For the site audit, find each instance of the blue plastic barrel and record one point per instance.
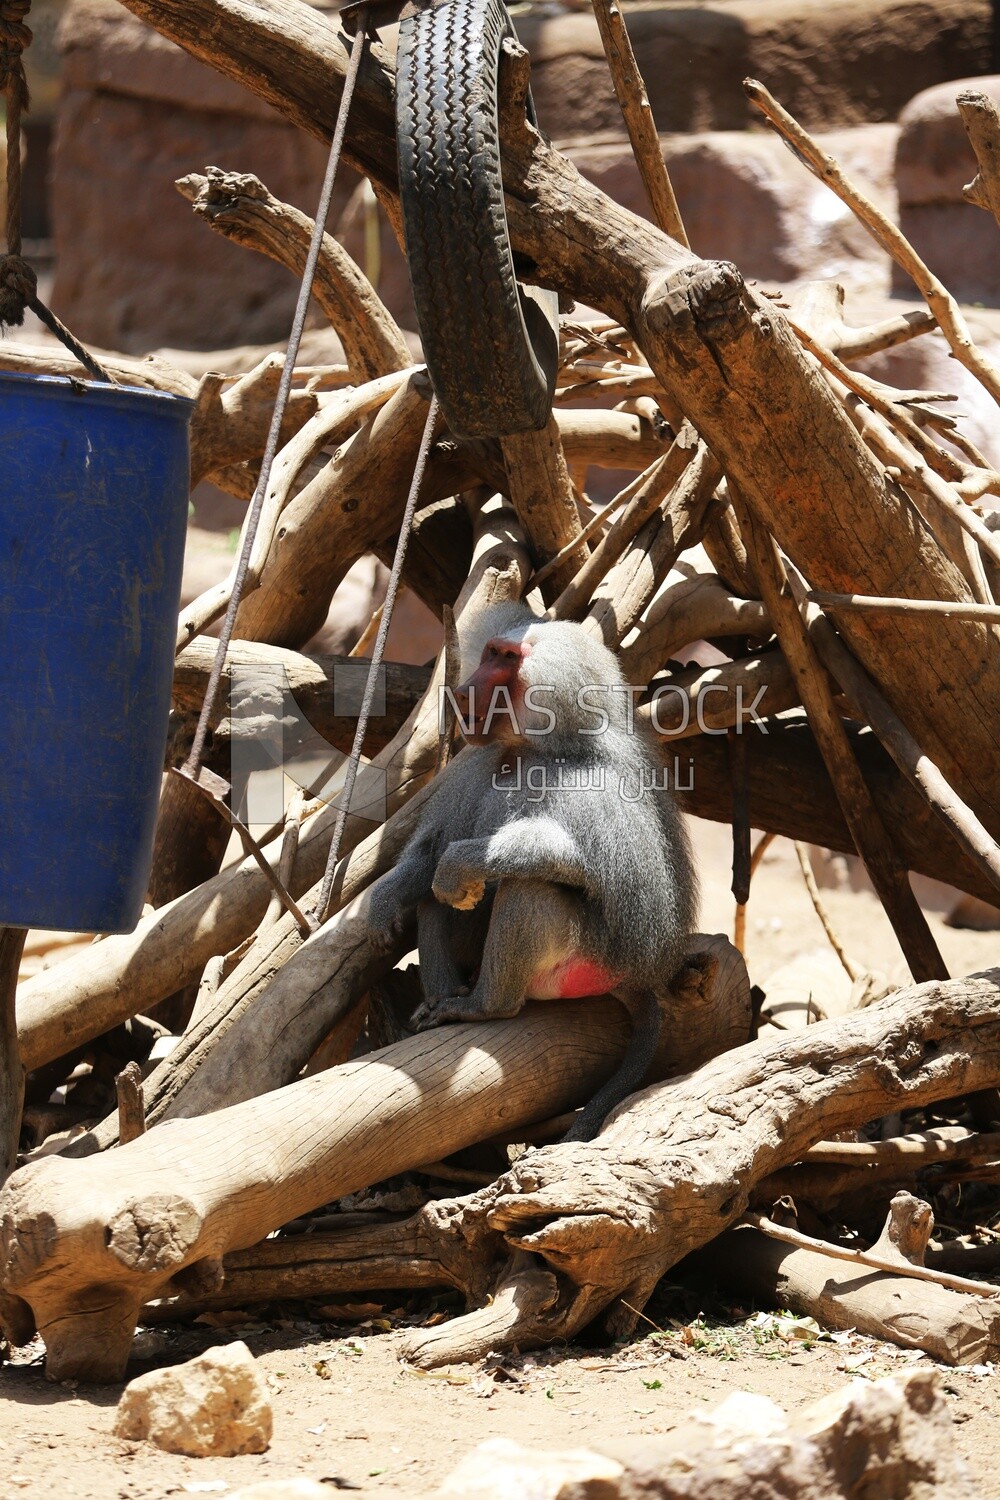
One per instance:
(93, 514)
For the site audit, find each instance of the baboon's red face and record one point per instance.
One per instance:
(493, 695)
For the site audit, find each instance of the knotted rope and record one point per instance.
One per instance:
(17, 279)
(18, 283)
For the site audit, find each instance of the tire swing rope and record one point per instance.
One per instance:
(213, 786)
(492, 347)
(18, 282)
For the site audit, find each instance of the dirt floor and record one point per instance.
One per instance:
(346, 1410)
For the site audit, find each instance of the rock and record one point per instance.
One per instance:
(213, 1406)
(501, 1468)
(841, 63)
(889, 1437)
(973, 915)
(285, 1489)
(134, 267)
(960, 243)
(744, 197)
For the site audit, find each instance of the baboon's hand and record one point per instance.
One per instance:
(387, 920)
(457, 886)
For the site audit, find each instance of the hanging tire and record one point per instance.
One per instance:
(491, 348)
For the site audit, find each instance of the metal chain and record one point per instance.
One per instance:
(191, 765)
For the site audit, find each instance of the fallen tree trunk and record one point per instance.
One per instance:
(124, 1222)
(954, 1327)
(677, 1163)
(248, 1169)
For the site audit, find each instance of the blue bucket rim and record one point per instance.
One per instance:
(94, 392)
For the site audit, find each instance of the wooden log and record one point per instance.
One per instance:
(982, 125)
(238, 206)
(419, 1253)
(698, 606)
(676, 1164)
(232, 416)
(236, 1174)
(961, 822)
(791, 794)
(887, 871)
(712, 1001)
(125, 1222)
(609, 439)
(356, 498)
(954, 1327)
(318, 684)
(707, 700)
(541, 492)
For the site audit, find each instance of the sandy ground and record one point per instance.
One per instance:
(345, 1409)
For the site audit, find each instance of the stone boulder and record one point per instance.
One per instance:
(134, 267)
(213, 1406)
(888, 1438)
(841, 63)
(934, 161)
(744, 197)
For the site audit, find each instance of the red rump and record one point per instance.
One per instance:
(573, 980)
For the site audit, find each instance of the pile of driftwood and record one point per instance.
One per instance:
(772, 482)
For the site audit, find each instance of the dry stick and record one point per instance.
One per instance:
(452, 678)
(361, 645)
(736, 745)
(883, 438)
(598, 522)
(856, 343)
(131, 1108)
(740, 923)
(620, 599)
(649, 494)
(892, 606)
(953, 1143)
(982, 125)
(638, 116)
(11, 1068)
(899, 1267)
(802, 855)
(965, 827)
(888, 875)
(943, 462)
(934, 292)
